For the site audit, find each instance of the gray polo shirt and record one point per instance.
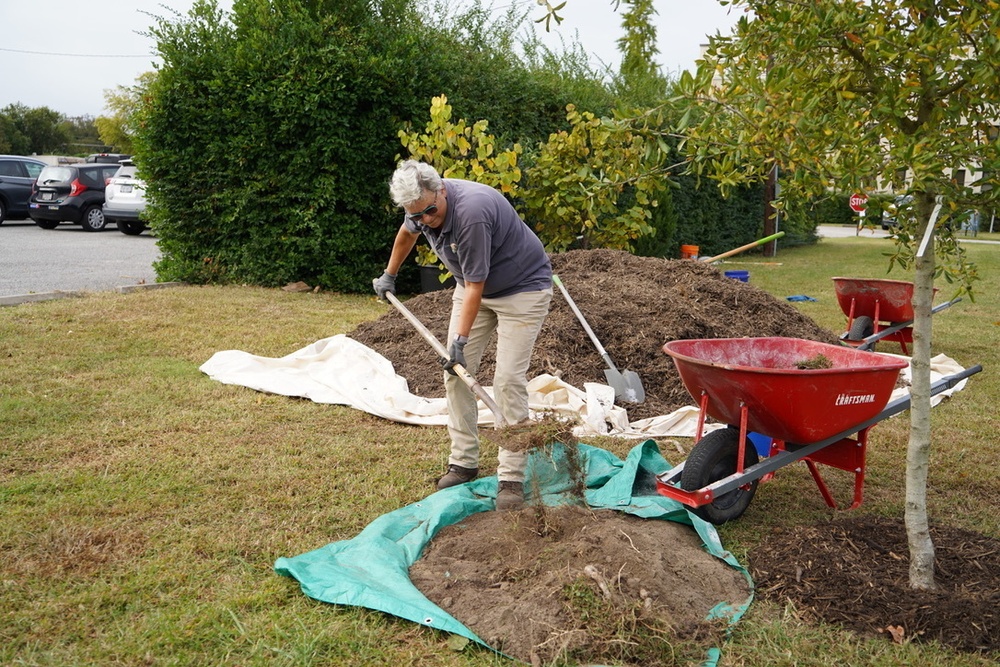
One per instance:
(484, 239)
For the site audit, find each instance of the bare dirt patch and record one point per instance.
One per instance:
(854, 571)
(571, 583)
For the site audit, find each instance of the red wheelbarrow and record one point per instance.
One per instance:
(808, 398)
(878, 309)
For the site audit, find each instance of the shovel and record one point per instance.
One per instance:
(460, 371)
(627, 385)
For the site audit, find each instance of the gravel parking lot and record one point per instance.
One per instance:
(35, 260)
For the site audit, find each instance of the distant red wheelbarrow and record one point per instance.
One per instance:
(807, 398)
(878, 309)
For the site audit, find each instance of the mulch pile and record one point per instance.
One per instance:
(633, 304)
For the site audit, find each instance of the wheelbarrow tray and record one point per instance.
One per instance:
(783, 400)
(880, 299)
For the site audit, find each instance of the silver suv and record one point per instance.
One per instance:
(125, 200)
(899, 206)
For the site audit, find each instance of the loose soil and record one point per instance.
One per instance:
(530, 582)
(575, 584)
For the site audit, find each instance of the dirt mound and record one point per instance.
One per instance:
(854, 571)
(544, 584)
(633, 304)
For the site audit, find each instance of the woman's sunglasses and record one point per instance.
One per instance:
(430, 210)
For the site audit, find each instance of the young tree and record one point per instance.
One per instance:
(125, 103)
(850, 95)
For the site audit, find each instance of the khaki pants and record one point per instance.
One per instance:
(517, 319)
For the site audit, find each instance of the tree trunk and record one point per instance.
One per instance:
(918, 449)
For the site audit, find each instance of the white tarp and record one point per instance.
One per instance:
(339, 370)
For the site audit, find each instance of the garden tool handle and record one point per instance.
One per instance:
(459, 369)
(736, 251)
(586, 327)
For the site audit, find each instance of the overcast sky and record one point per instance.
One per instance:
(63, 54)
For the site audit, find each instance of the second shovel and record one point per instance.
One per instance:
(627, 385)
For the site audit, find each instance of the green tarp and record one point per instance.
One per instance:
(372, 569)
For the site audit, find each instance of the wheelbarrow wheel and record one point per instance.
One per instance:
(714, 457)
(862, 327)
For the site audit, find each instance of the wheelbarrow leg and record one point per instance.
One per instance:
(848, 455)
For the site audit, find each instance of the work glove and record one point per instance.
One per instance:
(456, 352)
(385, 283)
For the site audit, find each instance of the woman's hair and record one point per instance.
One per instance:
(410, 180)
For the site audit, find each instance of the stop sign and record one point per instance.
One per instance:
(858, 202)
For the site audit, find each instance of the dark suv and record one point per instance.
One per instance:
(17, 175)
(72, 193)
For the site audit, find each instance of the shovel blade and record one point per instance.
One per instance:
(627, 385)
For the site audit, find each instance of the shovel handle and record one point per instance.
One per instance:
(736, 251)
(460, 371)
(586, 327)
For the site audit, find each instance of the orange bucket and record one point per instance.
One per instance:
(689, 252)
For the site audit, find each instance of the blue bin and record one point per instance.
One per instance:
(762, 443)
(742, 276)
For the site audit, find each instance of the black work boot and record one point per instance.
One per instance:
(510, 496)
(457, 475)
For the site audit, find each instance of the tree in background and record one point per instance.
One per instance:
(118, 130)
(25, 131)
(83, 135)
(849, 95)
(583, 189)
(640, 82)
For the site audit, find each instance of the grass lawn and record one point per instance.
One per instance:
(144, 504)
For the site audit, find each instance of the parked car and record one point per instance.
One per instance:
(107, 158)
(71, 193)
(125, 199)
(17, 176)
(901, 204)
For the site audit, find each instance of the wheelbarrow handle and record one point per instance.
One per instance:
(460, 370)
(869, 342)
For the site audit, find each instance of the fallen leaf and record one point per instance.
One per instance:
(896, 632)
